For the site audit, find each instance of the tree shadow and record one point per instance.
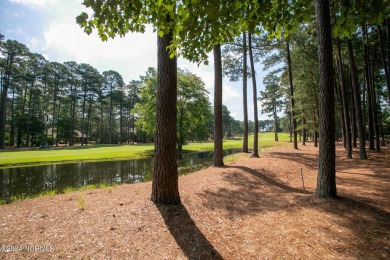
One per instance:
(187, 235)
(250, 196)
(368, 221)
(310, 160)
(269, 180)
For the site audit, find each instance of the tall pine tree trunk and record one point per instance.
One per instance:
(340, 101)
(357, 101)
(326, 180)
(374, 105)
(218, 131)
(275, 121)
(12, 123)
(290, 79)
(121, 139)
(165, 188)
(304, 131)
(245, 95)
(255, 153)
(110, 117)
(21, 118)
(29, 116)
(353, 113)
(369, 92)
(58, 120)
(83, 116)
(348, 139)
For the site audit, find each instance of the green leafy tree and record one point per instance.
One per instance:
(193, 108)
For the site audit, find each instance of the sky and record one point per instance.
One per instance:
(48, 27)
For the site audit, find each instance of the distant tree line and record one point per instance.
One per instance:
(68, 103)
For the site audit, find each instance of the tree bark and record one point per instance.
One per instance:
(340, 101)
(83, 113)
(255, 153)
(12, 123)
(245, 95)
(357, 101)
(374, 105)
(290, 79)
(348, 139)
(326, 180)
(21, 117)
(110, 128)
(304, 134)
(353, 113)
(275, 122)
(165, 189)
(218, 130)
(58, 120)
(369, 92)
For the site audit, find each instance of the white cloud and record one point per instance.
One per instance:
(130, 56)
(33, 43)
(229, 93)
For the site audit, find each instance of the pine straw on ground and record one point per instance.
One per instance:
(249, 209)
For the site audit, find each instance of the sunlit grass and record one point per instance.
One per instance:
(15, 158)
(65, 191)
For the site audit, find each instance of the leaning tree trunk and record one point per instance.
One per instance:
(244, 96)
(348, 139)
(165, 188)
(290, 79)
(255, 153)
(218, 131)
(357, 101)
(326, 180)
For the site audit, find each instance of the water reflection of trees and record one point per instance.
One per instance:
(30, 181)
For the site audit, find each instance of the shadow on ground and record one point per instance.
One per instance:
(260, 191)
(187, 235)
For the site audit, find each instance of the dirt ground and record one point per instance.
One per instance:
(249, 209)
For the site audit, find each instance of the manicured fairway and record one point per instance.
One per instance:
(14, 158)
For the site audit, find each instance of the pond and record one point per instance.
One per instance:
(31, 181)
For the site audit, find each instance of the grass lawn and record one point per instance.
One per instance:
(34, 156)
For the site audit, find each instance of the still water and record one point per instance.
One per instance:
(30, 181)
